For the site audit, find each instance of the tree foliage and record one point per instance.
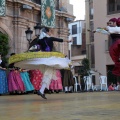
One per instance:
(4, 45)
(85, 68)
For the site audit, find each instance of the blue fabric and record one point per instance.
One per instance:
(3, 82)
(26, 80)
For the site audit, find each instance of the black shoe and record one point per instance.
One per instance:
(66, 92)
(42, 95)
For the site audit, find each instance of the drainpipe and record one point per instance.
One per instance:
(87, 19)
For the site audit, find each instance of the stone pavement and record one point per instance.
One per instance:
(69, 106)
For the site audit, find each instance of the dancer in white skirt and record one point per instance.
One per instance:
(45, 60)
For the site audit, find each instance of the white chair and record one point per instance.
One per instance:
(76, 84)
(103, 82)
(88, 83)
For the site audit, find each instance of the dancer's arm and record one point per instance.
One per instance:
(60, 40)
(100, 30)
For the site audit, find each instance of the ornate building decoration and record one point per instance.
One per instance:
(2, 7)
(48, 13)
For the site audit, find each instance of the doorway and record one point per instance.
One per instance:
(111, 78)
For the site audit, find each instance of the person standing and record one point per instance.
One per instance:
(3, 77)
(36, 79)
(26, 80)
(15, 83)
(56, 85)
(68, 81)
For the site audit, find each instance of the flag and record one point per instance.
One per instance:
(48, 13)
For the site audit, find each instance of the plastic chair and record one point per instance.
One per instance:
(76, 84)
(103, 81)
(88, 83)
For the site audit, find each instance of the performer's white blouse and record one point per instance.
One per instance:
(113, 29)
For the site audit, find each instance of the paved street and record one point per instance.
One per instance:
(71, 106)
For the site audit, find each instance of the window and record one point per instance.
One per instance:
(113, 6)
(57, 4)
(37, 1)
(74, 40)
(74, 29)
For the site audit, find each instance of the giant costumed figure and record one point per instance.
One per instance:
(113, 29)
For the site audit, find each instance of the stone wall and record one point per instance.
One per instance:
(17, 20)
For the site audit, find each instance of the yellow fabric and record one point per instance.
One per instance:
(30, 55)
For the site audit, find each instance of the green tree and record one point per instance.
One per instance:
(4, 45)
(85, 68)
(84, 71)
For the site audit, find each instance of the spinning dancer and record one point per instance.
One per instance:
(46, 60)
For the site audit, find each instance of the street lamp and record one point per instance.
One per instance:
(37, 29)
(29, 35)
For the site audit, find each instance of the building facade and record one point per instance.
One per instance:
(21, 14)
(100, 12)
(77, 49)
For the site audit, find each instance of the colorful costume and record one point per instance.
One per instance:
(15, 82)
(46, 61)
(26, 80)
(56, 84)
(36, 78)
(114, 49)
(3, 79)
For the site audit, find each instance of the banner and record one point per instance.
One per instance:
(48, 13)
(2, 8)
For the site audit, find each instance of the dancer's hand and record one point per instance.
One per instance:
(93, 31)
(68, 41)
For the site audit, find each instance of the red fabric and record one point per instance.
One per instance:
(36, 78)
(110, 88)
(118, 22)
(115, 55)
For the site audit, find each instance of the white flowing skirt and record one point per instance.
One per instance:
(39, 63)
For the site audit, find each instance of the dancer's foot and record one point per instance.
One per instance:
(42, 95)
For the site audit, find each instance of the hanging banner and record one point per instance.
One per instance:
(48, 13)
(2, 8)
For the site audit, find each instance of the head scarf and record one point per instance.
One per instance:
(113, 20)
(118, 22)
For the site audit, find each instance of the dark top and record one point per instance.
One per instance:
(115, 37)
(48, 41)
(2, 64)
(11, 67)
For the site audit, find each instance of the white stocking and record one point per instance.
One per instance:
(42, 89)
(66, 89)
